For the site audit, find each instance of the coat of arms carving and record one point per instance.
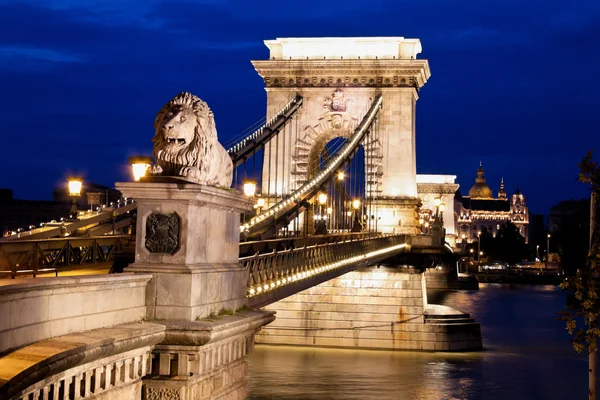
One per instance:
(338, 103)
(162, 233)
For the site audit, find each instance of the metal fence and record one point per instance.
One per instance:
(53, 254)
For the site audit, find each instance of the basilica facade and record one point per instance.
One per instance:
(481, 210)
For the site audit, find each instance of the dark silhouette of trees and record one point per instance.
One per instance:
(510, 245)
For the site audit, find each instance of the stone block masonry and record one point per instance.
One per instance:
(372, 308)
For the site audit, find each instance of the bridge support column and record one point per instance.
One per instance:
(188, 239)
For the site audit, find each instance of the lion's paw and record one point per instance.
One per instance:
(190, 173)
(156, 169)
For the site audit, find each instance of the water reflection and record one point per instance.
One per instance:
(527, 356)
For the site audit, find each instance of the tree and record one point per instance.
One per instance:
(510, 244)
(585, 285)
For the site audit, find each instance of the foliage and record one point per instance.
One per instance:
(508, 245)
(585, 284)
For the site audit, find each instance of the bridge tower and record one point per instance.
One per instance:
(338, 79)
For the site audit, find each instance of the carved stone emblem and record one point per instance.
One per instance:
(162, 233)
(338, 103)
(156, 393)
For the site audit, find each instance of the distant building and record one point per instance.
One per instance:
(438, 187)
(481, 210)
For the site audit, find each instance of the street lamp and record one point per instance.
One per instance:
(322, 198)
(260, 203)
(341, 176)
(249, 187)
(139, 166)
(356, 204)
(75, 185)
(547, 249)
(478, 244)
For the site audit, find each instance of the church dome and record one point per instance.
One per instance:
(480, 189)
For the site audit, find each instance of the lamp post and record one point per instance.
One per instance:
(478, 246)
(321, 220)
(349, 218)
(139, 166)
(356, 224)
(260, 203)
(249, 187)
(547, 249)
(75, 185)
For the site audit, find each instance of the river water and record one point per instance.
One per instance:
(527, 355)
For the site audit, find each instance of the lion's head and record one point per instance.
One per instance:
(184, 128)
(186, 144)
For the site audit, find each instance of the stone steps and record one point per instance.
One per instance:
(448, 319)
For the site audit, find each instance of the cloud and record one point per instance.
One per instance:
(37, 54)
(103, 12)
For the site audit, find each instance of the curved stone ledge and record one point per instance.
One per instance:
(199, 333)
(29, 365)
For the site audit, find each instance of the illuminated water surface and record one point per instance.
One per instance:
(527, 356)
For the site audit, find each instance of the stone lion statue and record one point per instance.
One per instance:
(186, 144)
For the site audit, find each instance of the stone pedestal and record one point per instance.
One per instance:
(188, 239)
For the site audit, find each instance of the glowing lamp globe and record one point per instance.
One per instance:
(322, 198)
(139, 166)
(260, 203)
(356, 204)
(249, 188)
(75, 186)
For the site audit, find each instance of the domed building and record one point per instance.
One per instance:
(480, 189)
(481, 210)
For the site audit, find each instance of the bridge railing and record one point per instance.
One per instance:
(271, 270)
(52, 254)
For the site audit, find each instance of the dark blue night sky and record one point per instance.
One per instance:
(514, 83)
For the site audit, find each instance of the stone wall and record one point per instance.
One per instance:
(373, 308)
(38, 309)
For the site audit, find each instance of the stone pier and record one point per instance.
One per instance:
(188, 240)
(373, 308)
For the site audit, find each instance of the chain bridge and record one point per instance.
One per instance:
(324, 248)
